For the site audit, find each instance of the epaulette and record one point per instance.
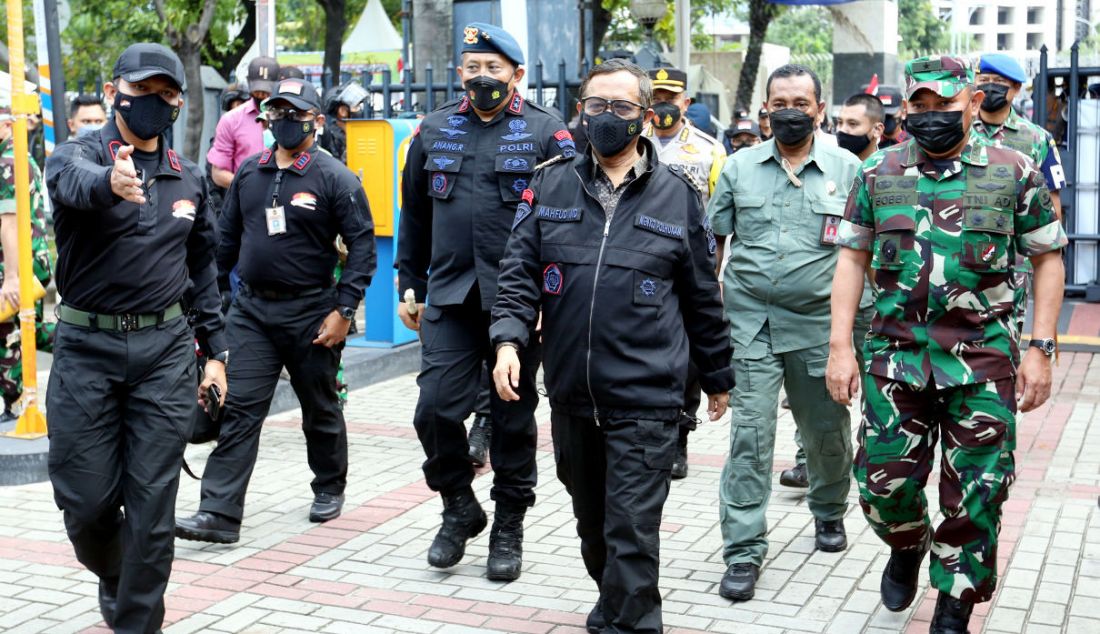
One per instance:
(687, 177)
(555, 159)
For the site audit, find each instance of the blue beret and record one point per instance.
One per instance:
(1004, 65)
(479, 37)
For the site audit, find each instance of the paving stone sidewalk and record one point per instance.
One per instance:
(366, 571)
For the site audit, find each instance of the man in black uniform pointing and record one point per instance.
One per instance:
(279, 224)
(466, 168)
(134, 231)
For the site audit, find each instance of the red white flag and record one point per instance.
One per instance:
(872, 88)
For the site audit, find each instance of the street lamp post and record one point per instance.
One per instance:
(648, 13)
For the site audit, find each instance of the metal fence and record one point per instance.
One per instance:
(1081, 224)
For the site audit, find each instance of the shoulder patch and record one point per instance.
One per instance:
(174, 161)
(552, 279)
(522, 211)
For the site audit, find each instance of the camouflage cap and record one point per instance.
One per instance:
(944, 75)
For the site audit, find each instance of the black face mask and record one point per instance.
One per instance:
(791, 126)
(936, 132)
(486, 93)
(667, 115)
(609, 134)
(890, 124)
(290, 134)
(854, 143)
(259, 103)
(146, 116)
(996, 96)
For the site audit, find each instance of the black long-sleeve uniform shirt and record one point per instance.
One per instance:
(321, 199)
(625, 298)
(462, 180)
(116, 257)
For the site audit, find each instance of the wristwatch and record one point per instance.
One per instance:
(1048, 346)
(347, 312)
(222, 356)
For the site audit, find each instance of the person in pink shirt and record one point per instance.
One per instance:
(239, 134)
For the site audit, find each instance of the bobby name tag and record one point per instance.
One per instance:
(830, 230)
(276, 220)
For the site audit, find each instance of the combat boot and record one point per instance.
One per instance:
(480, 434)
(951, 616)
(595, 622)
(463, 519)
(680, 465)
(899, 578)
(506, 543)
(108, 599)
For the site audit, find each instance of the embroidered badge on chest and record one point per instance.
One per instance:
(518, 128)
(648, 287)
(305, 200)
(439, 182)
(552, 280)
(442, 162)
(184, 209)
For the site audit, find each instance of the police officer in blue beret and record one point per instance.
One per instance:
(467, 167)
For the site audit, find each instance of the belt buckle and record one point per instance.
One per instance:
(128, 323)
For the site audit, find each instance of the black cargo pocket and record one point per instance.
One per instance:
(985, 240)
(443, 172)
(429, 325)
(514, 174)
(649, 290)
(658, 441)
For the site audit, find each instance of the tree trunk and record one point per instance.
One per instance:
(191, 56)
(760, 16)
(601, 20)
(335, 24)
(226, 62)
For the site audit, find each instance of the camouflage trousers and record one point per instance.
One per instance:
(11, 354)
(975, 426)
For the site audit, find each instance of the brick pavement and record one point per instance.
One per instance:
(366, 572)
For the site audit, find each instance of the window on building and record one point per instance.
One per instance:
(978, 16)
(1034, 41)
(1004, 42)
(1004, 15)
(1035, 15)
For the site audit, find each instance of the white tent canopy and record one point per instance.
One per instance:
(373, 32)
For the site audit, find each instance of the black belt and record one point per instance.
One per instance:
(280, 295)
(121, 323)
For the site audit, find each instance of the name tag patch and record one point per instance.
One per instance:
(554, 214)
(659, 227)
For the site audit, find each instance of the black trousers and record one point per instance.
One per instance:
(120, 410)
(454, 346)
(618, 475)
(482, 407)
(266, 336)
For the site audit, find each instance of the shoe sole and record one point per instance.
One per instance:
(679, 476)
(499, 576)
(794, 484)
(319, 519)
(738, 596)
(475, 530)
(209, 536)
(832, 549)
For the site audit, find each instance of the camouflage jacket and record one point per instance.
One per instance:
(1025, 137)
(39, 244)
(943, 245)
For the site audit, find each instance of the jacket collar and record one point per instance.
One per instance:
(586, 165)
(301, 163)
(111, 141)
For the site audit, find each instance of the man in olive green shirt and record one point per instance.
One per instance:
(782, 202)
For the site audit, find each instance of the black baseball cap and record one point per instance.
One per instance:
(298, 92)
(263, 72)
(890, 96)
(290, 72)
(142, 61)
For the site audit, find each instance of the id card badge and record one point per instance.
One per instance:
(830, 231)
(276, 220)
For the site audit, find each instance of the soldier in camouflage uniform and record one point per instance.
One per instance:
(940, 218)
(11, 366)
(1000, 78)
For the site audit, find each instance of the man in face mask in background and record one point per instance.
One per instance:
(1000, 78)
(467, 168)
(940, 219)
(893, 132)
(701, 157)
(86, 114)
(238, 135)
(781, 201)
(742, 134)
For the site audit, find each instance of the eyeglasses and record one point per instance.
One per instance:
(595, 106)
(275, 114)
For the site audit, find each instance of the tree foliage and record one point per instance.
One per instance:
(623, 30)
(804, 30)
(919, 28)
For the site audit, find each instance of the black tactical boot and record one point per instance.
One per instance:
(680, 465)
(209, 527)
(463, 519)
(899, 578)
(739, 582)
(829, 536)
(951, 616)
(506, 543)
(480, 433)
(795, 477)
